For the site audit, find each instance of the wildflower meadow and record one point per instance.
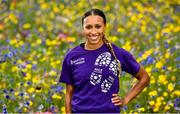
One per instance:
(35, 35)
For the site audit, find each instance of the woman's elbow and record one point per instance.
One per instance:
(146, 79)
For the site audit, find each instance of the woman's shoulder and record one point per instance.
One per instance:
(120, 50)
(73, 51)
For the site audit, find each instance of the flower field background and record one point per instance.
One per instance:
(35, 36)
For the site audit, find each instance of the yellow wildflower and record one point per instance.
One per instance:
(107, 8)
(159, 99)
(71, 39)
(15, 69)
(38, 41)
(52, 73)
(54, 82)
(41, 29)
(148, 69)
(31, 90)
(144, 89)
(167, 55)
(24, 109)
(44, 6)
(141, 109)
(158, 35)
(53, 63)
(35, 80)
(147, 53)
(53, 42)
(156, 109)
(176, 29)
(43, 59)
(159, 65)
(21, 43)
(158, 104)
(127, 46)
(165, 82)
(25, 70)
(64, 91)
(152, 81)
(152, 103)
(30, 103)
(55, 9)
(55, 96)
(49, 52)
(153, 93)
(161, 78)
(63, 109)
(13, 41)
(171, 104)
(113, 38)
(26, 96)
(167, 107)
(170, 86)
(169, 68)
(16, 93)
(58, 62)
(27, 26)
(121, 29)
(165, 94)
(13, 18)
(28, 76)
(28, 66)
(38, 91)
(176, 92)
(34, 62)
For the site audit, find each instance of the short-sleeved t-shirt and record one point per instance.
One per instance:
(94, 76)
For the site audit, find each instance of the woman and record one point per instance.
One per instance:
(92, 69)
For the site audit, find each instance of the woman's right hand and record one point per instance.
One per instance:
(117, 101)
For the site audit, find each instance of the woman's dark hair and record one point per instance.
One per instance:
(94, 12)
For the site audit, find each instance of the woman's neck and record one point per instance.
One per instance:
(89, 46)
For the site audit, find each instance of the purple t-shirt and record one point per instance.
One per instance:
(94, 75)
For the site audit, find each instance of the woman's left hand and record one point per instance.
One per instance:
(118, 101)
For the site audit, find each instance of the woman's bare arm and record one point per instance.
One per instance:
(68, 97)
(143, 80)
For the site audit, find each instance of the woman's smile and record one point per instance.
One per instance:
(93, 38)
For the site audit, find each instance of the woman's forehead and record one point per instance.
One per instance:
(93, 19)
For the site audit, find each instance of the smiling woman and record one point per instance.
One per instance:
(92, 71)
(94, 30)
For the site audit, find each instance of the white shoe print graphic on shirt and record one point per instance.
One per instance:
(107, 83)
(113, 67)
(95, 78)
(102, 60)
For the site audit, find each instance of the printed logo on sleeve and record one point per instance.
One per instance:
(78, 61)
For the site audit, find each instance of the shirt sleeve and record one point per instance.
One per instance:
(130, 65)
(66, 73)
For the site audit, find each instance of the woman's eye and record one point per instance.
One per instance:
(98, 27)
(88, 27)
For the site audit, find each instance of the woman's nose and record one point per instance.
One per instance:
(93, 31)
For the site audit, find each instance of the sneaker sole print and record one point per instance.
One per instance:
(104, 59)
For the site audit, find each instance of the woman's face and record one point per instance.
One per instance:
(94, 29)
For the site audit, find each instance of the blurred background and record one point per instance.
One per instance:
(36, 34)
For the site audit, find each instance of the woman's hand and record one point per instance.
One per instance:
(118, 101)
